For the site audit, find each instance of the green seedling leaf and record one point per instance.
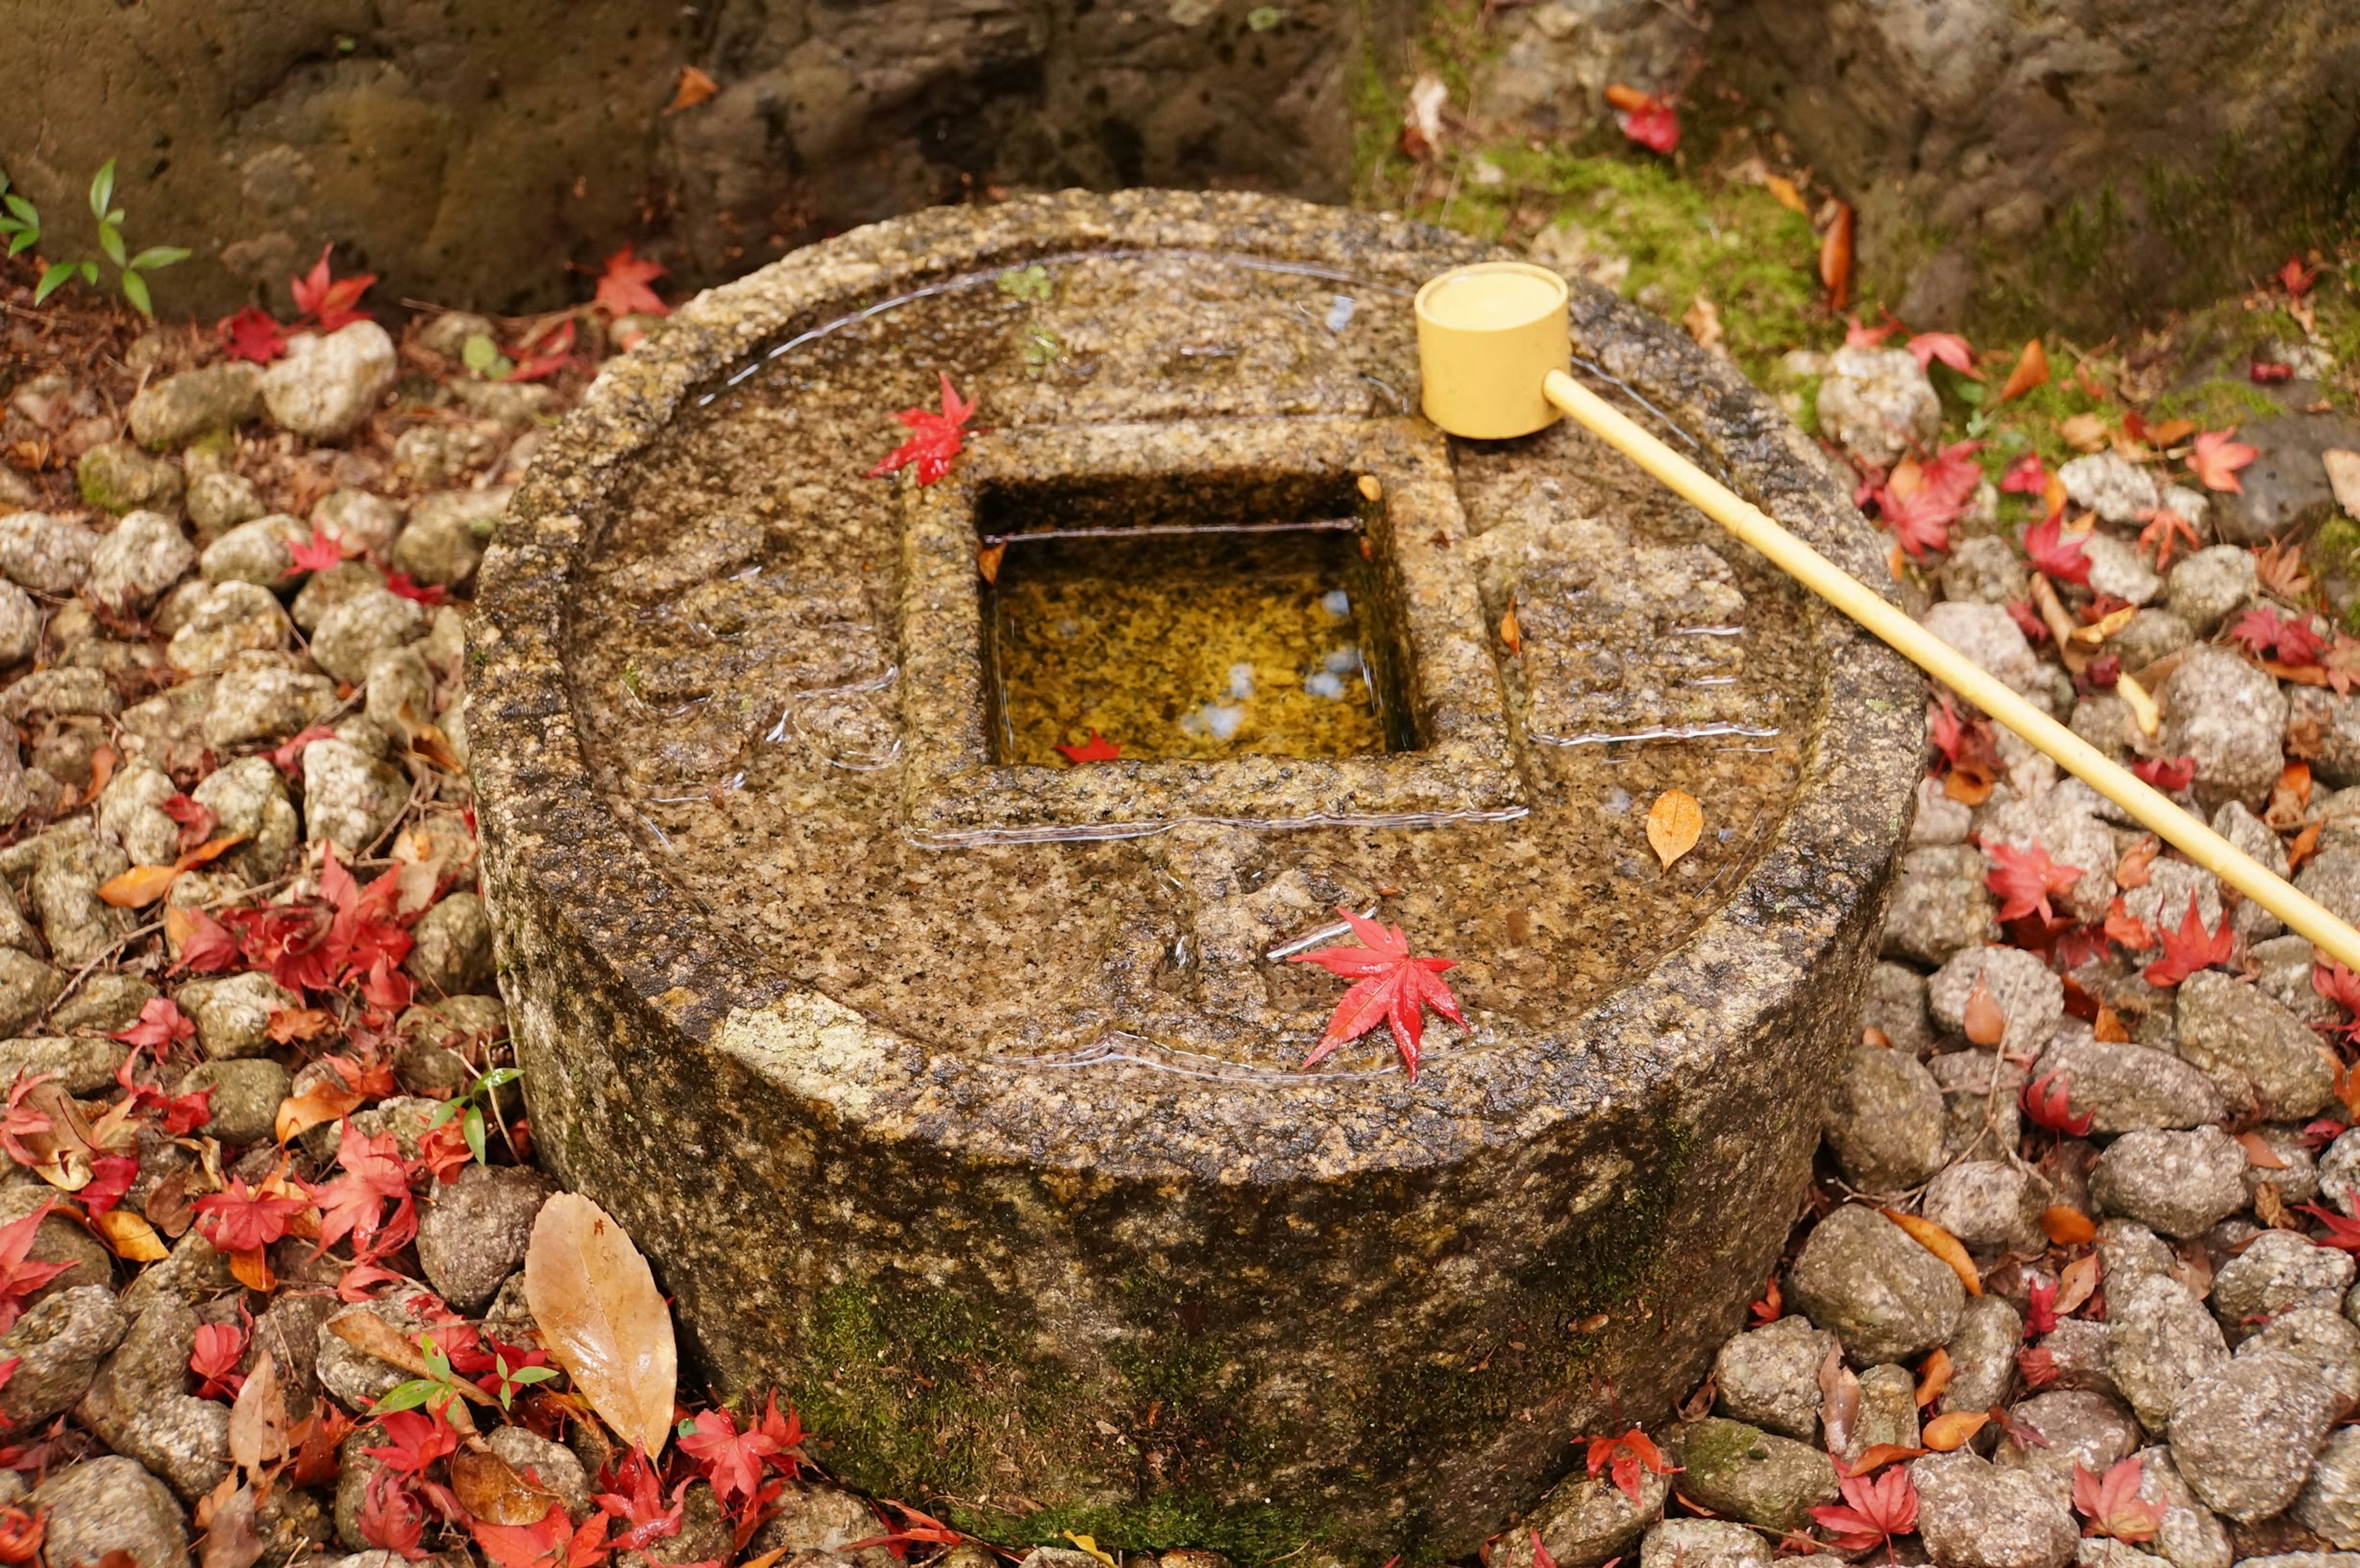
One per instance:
(135, 288)
(1028, 283)
(53, 277)
(101, 190)
(154, 257)
(479, 353)
(473, 1127)
(406, 1395)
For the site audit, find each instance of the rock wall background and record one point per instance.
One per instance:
(2109, 157)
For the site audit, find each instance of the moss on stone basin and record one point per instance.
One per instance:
(954, 1090)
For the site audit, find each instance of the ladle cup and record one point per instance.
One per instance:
(1494, 356)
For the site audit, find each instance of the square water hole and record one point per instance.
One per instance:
(1243, 621)
(1266, 621)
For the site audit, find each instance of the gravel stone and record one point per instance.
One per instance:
(1884, 1120)
(46, 554)
(1982, 1355)
(2092, 1430)
(1972, 1514)
(2230, 717)
(1989, 636)
(116, 476)
(20, 625)
(2160, 1339)
(349, 799)
(447, 533)
(2339, 1171)
(133, 566)
(1985, 570)
(59, 1345)
(323, 591)
(228, 619)
(139, 1406)
(1896, 1007)
(434, 455)
(2263, 1057)
(2029, 992)
(262, 699)
(2190, 1537)
(356, 1380)
(2243, 1436)
(1989, 1204)
(372, 621)
(84, 1065)
(472, 1236)
(2126, 1087)
(1745, 1473)
(2148, 637)
(2072, 837)
(1703, 1543)
(1940, 905)
(110, 1504)
(2115, 488)
(260, 552)
(2319, 1337)
(2297, 1177)
(1770, 1377)
(1888, 1411)
(26, 985)
(1887, 1298)
(552, 1463)
(2175, 1183)
(2329, 1505)
(1587, 1518)
(179, 409)
(328, 383)
(2333, 877)
(1939, 820)
(60, 691)
(1980, 1116)
(360, 521)
(2126, 1248)
(2277, 1273)
(2083, 1356)
(247, 1093)
(249, 797)
(77, 924)
(2250, 834)
(233, 1015)
(219, 500)
(130, 812)
(2118, 569)
(1878, 403)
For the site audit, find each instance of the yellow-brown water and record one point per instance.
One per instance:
(1199, 644)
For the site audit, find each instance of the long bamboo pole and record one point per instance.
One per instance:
(1944, 663)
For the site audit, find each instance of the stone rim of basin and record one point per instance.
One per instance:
(544, 814)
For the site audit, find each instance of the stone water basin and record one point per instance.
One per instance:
(956, 1088)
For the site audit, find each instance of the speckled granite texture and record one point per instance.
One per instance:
(1143, 1281)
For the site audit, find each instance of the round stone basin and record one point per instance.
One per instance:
(955, 1087)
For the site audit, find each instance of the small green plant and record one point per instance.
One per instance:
(486, 1086)
(23, 225)
(437, 1390)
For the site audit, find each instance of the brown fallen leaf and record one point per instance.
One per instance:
(1421, 131)
(1838, 1399)
(2031, 370)
(1371, 488)
(2085, 432)
(694, 88)
(2258, 1152)
(2076, 1283)
(143, 884)
(1674, 822)
(2108, 1026)
(1942, 1244)
(251, 1268)
(1835, 258)
(1934, 1376)
(491, 1489)
(2271, 1209)
(231, 1539)
(1702, 321)
(1985, 1020)
(2104, 627)
(316, 1106)
(602, 1318)
(1947, 1433)
(2344, 478)
(1877, 1457)
(258, 1419)
(987, 560)
(2068, 1226)
(1782, 190)
(1511, 634)
(129, 1236)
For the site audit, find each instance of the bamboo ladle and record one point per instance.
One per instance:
(1494, 353)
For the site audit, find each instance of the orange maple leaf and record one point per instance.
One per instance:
(623, 286)
(2217, 459)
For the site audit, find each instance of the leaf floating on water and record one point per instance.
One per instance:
(695, 87)
(602, 1318)
(1674, 823)
(1097, 748)
(987, 562)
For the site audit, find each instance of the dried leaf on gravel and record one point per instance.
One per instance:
(1942, 1244)
(1949, 1432)
(602, 1318)
(491, 1489)
(1674, 823)
(2068, 1226)
(258, 1421)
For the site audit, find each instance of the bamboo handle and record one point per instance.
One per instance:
(1954, 670)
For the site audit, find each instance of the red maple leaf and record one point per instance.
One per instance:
(2339, 985)
(2038, 1363)
(209, 948)
(19, 1277)
(2217, 458)
(398, 585)
(196, 818)
(2112, 1505)
(2048, 1100)
(2027, 621)
(2167, 773)
(1623, 1457)
(2264, 372)
(2163, 526)
(2296, 278)
(1389, 986)
(2025, 877)
(390, 1517)
(1655, 126)
(251, 334)
(2262, 631)
(288, 756)
(1770, 1307)
(2025, 476)
(354, 1203)
(327, 299)
(1872, 1511)
(1097, 748)
(787, 1437)
(555, 353)
(414, 1439)
(555, 1542)
(218, 1349)
(24, 1120)
(1541, 1556)
(638, 1499)
(442, 1152)
(160, 1023)
(2039, 1308)
(1859, 336)
(2190, 948)
(242, 1219)
(731, 1460)
(1952, 473)
(1920, 523)
(2342, 1232)
(111, 1175)
(2046, 547)
(21, 1534)
(937, 440)
(1949, 348)
(623, 286)
(317, 553)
